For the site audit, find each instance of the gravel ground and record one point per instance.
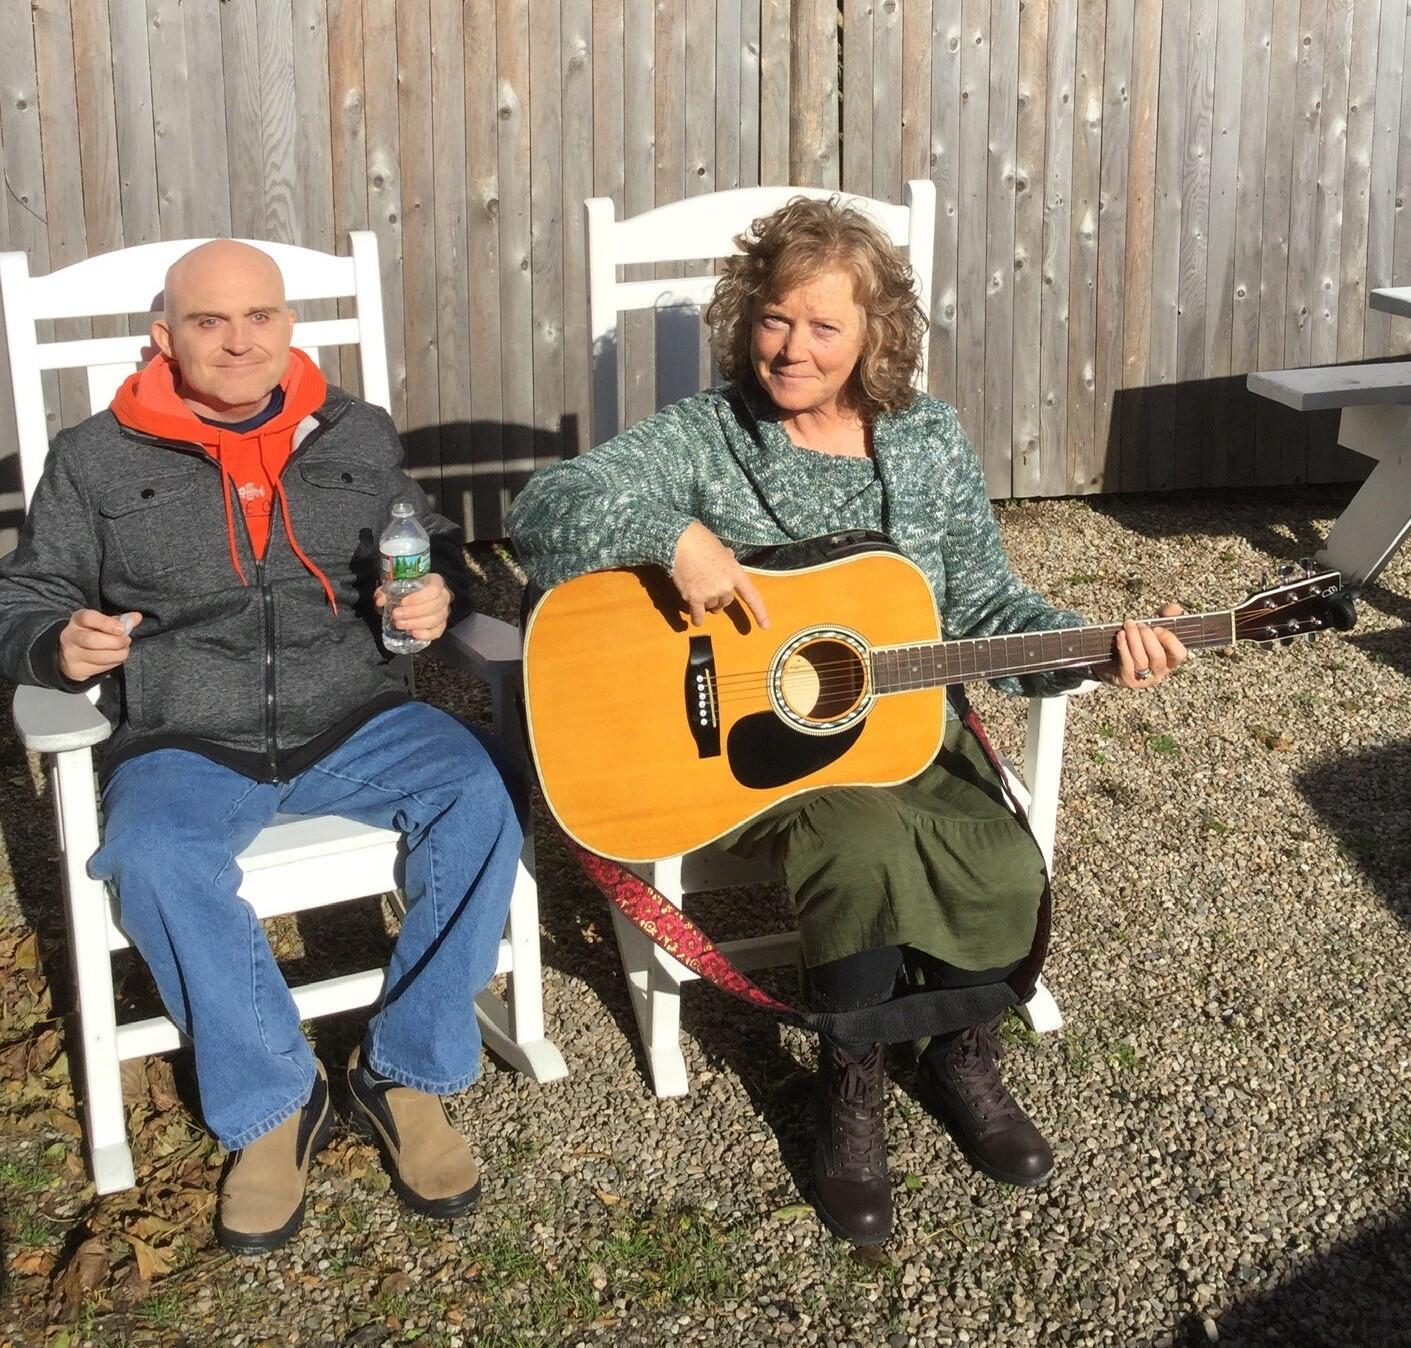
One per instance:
(1230, 1100)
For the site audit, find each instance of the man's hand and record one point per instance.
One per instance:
(709, 578)
(92, 643)
(425, 612)
(1143, 656)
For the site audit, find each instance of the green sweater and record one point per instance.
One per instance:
(721, 457)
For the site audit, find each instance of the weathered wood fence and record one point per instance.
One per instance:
(1139, 200)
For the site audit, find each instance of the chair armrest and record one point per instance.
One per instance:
(483, 646)
(51, 722)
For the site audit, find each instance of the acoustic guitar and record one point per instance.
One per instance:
(653, 737)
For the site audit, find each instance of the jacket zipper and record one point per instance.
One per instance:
(266, 590)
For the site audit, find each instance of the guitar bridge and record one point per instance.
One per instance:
(702, 698)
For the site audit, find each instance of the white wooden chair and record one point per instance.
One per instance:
(296, 863)
(687, 233)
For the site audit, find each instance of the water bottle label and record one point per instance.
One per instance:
(405, 566)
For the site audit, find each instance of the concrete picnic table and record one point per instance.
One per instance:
(1376, 421)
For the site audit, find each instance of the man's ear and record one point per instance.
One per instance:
(161, 335)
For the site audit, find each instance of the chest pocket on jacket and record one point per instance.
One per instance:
(150, 521)
(334, 502)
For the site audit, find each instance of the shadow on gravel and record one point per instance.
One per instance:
(1353, 1297)
(1361, 798)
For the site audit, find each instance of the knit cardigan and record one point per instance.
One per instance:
(723, 458)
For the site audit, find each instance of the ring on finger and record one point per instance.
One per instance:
(1142, 673)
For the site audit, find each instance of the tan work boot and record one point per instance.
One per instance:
(429, 1162)
(262, 1192)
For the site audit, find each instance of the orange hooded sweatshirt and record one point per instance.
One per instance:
(252, 461)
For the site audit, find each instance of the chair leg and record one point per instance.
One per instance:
(1041, 1012)
(514, 1028)
(654, 985)
(86, 908)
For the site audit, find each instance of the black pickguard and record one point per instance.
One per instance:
(764, 751)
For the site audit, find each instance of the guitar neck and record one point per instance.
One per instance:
(900, 669)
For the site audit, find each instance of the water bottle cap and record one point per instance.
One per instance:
(401, 509)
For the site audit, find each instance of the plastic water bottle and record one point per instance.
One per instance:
(406, 563)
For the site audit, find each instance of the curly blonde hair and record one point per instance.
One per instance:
(793, 245)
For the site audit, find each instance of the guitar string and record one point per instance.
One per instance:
(1193, 627)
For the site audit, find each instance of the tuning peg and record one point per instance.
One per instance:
(1341, 612)
(1286, 570)
(1308, 564)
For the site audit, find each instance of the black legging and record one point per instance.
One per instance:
(869, 978)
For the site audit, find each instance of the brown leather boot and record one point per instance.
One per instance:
(960, 1083)
(428, 1161)
(851, 1189)
(262, 1191)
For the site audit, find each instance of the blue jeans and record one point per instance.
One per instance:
(174, 823)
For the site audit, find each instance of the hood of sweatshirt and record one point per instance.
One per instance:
(148, 402)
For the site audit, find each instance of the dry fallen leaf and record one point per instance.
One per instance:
(605, 1197)
(32, 1262)
(26, 954)
(150, 1264)
(83, 1273)
(128, 1286)
(162, 1085)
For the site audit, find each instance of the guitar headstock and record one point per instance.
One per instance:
(1303, 601)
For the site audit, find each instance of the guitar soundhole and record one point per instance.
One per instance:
(821, 682)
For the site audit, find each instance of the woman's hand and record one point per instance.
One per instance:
(709, 578)
(424, 612)
(1143, 656)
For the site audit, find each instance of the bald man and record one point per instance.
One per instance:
(211, 539)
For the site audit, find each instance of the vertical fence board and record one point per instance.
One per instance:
(728, 93)
(279, 120)
(1111, 242)
(945, 173)
(750, 39)
(774, 90)
(1303, 184)
(20, 133)
(1000, 170)
(1134, 421)
(132, 96)
(384, 184)
(887, 98)
(450, 194)
(347, 145)
(240, 52)
(636, 352)
(1229, 67)
(1357, 178)
(63, 175)
(546, 225)
(313, 126)
(970, 259)
(418, 225)
(512, 40)
(209, 209)
(577, 76)
(857, 96)
(1166, 243)
(916, 90)
(1399, 330)
(1058, 220)
(483, 497)
(1031, 119)
(1084, 457)
(1381, 211)
(1195, 222)
(1332, 161)
(98, 136)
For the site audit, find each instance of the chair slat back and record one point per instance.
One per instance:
(129, 282)
(702, 230)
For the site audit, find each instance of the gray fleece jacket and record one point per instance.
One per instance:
(260, 674)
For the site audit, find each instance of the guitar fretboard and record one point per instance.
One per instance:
(899, 669)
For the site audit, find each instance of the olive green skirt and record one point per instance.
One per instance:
(939, 863)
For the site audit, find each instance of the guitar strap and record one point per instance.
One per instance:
(912, 1015)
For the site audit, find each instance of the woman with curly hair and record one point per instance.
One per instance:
(818, 429)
